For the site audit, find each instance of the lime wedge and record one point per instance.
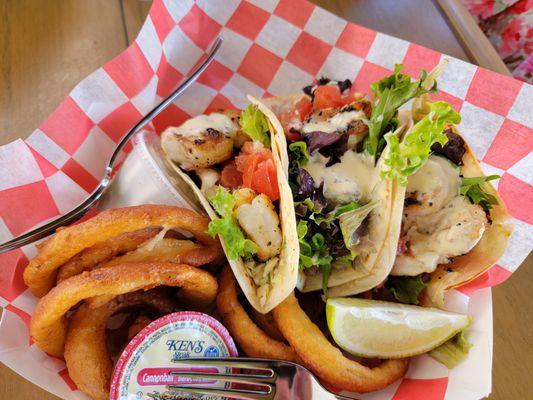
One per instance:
(371, 328)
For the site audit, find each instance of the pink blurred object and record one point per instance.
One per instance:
(509, 26)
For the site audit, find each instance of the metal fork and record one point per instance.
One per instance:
(82, 209)
(269, 380)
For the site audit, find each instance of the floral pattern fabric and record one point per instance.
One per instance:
(509, 26)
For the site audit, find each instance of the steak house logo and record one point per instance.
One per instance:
(184, 348)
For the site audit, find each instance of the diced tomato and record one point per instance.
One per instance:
(303, 107)
(230, 177)
(288, 121)
(293, 135)
(327, 96)
(258, 170)
(265, 180)
(291, 120)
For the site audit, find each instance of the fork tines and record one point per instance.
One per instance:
(258, 384)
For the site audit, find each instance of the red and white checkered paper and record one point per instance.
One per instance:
(271, 47)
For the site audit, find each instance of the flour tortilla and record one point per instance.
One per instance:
(286, 273)
(387, 225)
(484, 255)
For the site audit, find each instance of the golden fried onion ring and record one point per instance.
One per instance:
(266, 323)
(104, 251)
(254, 341)
(171, 250)
(327, 361)
(48, 325)
(40, 273)
(86, 354)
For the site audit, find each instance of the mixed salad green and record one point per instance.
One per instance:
(330, 234)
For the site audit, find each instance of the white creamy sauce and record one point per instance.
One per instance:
(197, 126)
(209, 177)
(351, 179)
(444, 225)
(337, 123)
(435, 184)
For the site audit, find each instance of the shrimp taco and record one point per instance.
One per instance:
(454, 224)
(232, 163)
(348, 212)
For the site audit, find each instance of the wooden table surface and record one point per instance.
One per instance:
(47, 46)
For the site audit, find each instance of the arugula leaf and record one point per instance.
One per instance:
(405, 158)
(228, 228)
(406, 289)
(473, 189)
(254, 123)
(390, 93)
(453, 351)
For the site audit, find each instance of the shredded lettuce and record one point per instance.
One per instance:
(254, 123)
(390, 93)
(350, 222)
(406, 289)
(473, 189)
(453, 351)
(405, 158)
(228, 228)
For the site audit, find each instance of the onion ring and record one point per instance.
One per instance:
(86, 354)
(327, 361)
(48, 325)
(171, 250)
(40, 273)
(141, 322)
(254, 341)
(266, 323)
(104, 251)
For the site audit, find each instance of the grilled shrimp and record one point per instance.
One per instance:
(261, 224)
(350, 119)
(200, 142)
(435, 238)
(243, 196)
(433, 186)
(240, 137)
